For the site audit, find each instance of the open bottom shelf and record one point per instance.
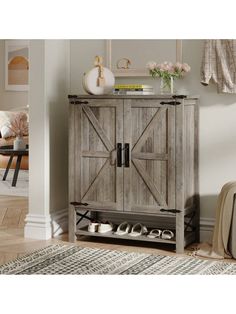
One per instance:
(84, 231)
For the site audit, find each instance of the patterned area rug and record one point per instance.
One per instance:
(65, 259)
(22, 185)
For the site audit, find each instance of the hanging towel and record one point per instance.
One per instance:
(219, 64)
(221, 233)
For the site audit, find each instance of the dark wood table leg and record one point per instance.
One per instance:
(8, 167)
(18, 162)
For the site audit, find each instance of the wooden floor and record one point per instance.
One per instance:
(13, 244)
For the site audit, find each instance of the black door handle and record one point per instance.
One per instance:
(126, 152)
(119, 155)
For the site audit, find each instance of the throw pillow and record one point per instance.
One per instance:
(5, 132)
(6, 119)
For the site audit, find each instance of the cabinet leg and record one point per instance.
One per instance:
(72, 224)
(180, 233)
(197, 218)
(179, 248)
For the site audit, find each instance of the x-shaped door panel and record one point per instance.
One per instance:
(149, 181)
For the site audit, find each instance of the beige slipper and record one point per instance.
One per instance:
(138, 230)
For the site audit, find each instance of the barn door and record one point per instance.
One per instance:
(149, 176)
(98, 177)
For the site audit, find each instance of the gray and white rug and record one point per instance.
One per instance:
(67, 259)
(22, 185)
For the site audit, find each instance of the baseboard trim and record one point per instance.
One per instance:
(59, 222)
(38, 227)
(206, 229)
(44, 227)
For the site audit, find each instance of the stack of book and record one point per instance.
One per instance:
(133, 89)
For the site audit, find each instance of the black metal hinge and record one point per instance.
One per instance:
(173, 210)
(172, 103)
(179, 96)
(79, 204)
(78, 102)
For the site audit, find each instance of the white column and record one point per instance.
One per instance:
(48, 136)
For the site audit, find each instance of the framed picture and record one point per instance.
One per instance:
(127, 58)
(17, 65)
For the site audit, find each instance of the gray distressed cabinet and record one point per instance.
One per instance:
(135, 158)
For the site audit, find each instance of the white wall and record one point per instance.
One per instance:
(48, 135)
(9, 99)
(217, 132)
(217, 116)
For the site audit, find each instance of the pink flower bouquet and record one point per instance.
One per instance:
(168, 69)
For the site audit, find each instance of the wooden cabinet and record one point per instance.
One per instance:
(135, 158)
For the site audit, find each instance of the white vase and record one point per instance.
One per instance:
(19, 143)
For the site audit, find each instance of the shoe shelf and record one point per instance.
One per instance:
(84, 231)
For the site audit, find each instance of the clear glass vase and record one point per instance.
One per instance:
(167, 86)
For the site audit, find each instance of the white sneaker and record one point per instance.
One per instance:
(93, 226)
(105, 227)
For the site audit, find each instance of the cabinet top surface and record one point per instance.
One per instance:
(110, 96)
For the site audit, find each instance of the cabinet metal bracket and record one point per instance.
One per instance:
(189, 223)
(82, 216)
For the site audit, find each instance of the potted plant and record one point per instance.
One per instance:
(19, 127)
